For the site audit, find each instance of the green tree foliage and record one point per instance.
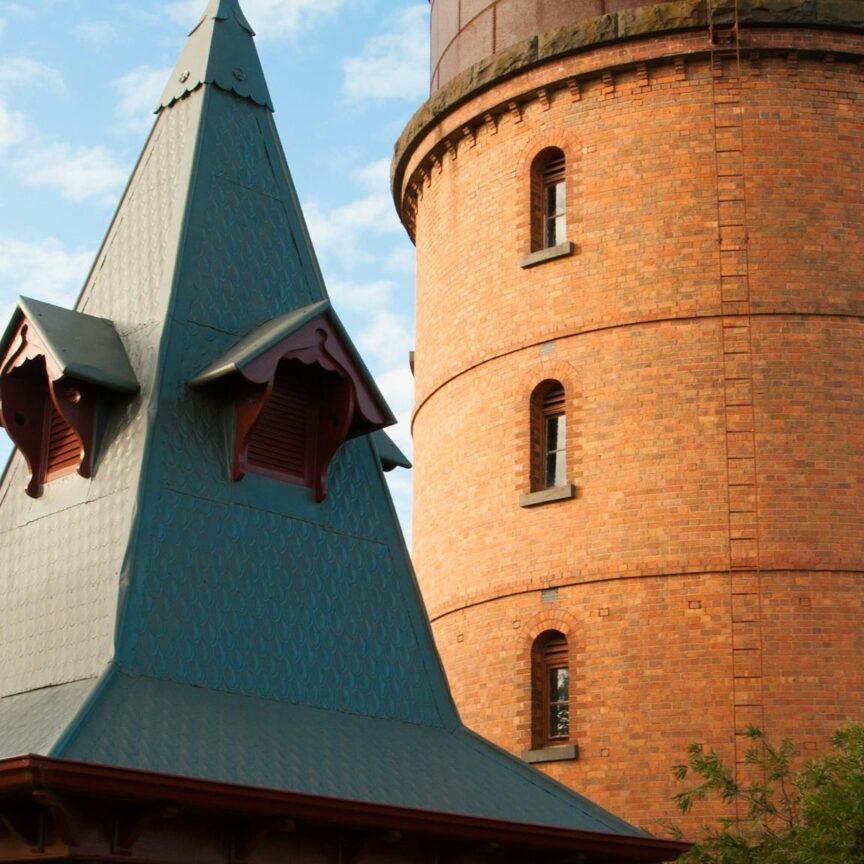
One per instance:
(814, 815)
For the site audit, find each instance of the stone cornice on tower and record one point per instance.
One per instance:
(415, 160)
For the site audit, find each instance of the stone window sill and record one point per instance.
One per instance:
(546, 496)
(558, 753)
(562, 250)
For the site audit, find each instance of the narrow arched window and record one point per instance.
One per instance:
(548, 199)
(548, 436)
(550, 689)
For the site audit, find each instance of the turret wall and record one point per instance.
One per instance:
(707, 328)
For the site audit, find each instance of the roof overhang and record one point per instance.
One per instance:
(59, 809)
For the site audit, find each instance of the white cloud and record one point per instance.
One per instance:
(17, 73)
(271, 19)
(14, 127)
(44, 269)
(374, 176)
(96, 33)
(386, 341)
(360, 296)
(139, 92)
(78, 173)
(392, 65)
(397, 385)
(2, 24)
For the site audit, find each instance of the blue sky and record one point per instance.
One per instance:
(78, 83)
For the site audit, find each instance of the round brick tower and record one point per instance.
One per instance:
(639, 420)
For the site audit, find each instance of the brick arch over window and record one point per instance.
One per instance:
(548, 411)
(531, 164)
(529, 399)
(550, 690)
(548, 200)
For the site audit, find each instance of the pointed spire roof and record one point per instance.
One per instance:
(221, 51)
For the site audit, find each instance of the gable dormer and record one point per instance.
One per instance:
(57, 369)
(299, 389)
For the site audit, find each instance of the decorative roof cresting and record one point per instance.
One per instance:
(221, 51)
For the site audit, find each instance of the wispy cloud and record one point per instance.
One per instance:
(361, 296)
(2, 24)
(272, 19)
(17, 73)
(43, 269)
(392, 65)
(339, 232)
(139, 92)
(77, 173)
(14, 127)
(95, 33)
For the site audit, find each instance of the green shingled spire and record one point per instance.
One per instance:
(160, 616)
(220, 51)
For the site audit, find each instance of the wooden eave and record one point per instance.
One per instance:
(69, 810)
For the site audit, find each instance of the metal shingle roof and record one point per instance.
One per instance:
(221, 51)
(83, 346)
(166, 727)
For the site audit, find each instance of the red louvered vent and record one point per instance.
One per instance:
(64, 447)
(281, 438)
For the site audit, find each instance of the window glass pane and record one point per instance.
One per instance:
(561, 435)
(551, 200)
(559, 720)
(550, 470)
(560, 229)
(553, 424)
(560, 198)
(559, 684)
(551, 235)
(560, 477)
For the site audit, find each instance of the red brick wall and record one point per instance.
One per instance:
(671, 642)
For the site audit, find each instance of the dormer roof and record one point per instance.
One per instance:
(79, 345)
(248, 358)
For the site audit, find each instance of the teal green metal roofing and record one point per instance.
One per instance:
(221, 630)
(81, 345)
(390, 455)
(220, 51)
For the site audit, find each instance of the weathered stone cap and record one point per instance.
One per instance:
(634, 23)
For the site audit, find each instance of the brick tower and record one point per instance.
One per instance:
(639, 426)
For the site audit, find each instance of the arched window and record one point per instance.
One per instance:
(550, 690)
(548, 199)
(548, 436)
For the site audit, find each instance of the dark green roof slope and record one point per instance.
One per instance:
(223, 736)
(390, 455)
(222, 630)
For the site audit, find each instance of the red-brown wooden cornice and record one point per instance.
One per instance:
(79, 809)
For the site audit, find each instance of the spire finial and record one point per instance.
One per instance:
(223, 9)
(220, 51)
